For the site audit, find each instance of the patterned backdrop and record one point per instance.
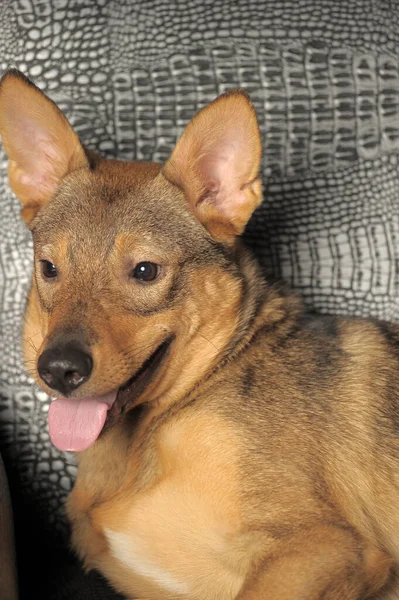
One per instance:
(324, 78)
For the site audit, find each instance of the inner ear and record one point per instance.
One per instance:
(216, 163)
(40, 143)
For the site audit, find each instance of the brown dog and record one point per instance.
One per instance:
(229, 446)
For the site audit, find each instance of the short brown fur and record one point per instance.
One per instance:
(261, 461)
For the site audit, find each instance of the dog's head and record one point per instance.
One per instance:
(136, 289)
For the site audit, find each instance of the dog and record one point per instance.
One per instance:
(230, 446)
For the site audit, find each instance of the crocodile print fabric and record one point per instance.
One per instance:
(129, 74)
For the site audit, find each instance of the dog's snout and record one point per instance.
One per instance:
(65, 367)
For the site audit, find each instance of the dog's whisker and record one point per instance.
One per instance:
(209, 341)
(203, 336)
(32, 345)
(31, 372)
(28, 362)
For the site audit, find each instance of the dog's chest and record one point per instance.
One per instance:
(180, 537)
(174, 544)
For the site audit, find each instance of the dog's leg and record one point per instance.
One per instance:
(326, 563)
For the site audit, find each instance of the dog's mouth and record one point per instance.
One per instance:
(76, 423)
(136, 385)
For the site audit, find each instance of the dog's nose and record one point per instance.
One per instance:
(65, 367)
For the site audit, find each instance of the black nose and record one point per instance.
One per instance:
(64, 367)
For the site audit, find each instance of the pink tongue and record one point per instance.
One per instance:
(76, 424)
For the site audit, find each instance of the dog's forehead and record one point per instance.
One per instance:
(95, 208)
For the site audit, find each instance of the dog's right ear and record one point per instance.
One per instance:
(39, 141)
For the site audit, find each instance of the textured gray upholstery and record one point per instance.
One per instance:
(324, 78)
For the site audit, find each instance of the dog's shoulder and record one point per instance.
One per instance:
(304, 365)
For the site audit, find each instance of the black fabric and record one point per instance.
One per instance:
(324, 78)
(69, 582)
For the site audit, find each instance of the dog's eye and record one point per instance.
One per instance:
(49, 270)
(146, 271)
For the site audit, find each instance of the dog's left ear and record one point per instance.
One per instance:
(40, 143)
(216, 164)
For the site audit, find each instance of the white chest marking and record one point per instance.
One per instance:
(125, 549)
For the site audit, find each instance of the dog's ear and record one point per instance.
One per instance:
(39, 141)
(216, 163)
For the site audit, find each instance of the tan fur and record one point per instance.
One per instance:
(34, 176)
(190, 166)
(261, 460)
